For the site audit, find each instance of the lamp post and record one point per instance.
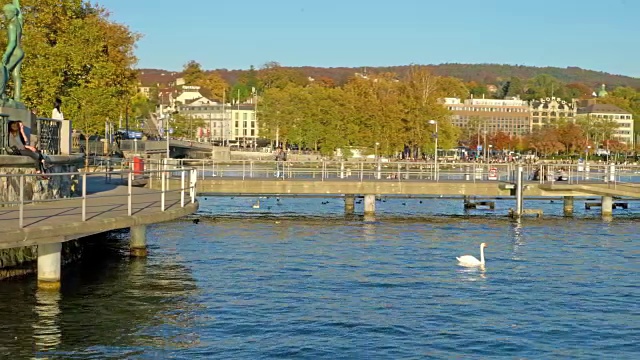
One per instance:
(435, 162)
(376, 151)
(166, 134)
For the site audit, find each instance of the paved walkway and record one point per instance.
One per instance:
(107, 209)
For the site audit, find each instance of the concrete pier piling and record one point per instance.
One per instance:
(369, 204)
(138, 241)
(568, 205)
(349, 204)
(607, 206)
(49, 265)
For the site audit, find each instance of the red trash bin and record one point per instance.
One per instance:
(138, 165)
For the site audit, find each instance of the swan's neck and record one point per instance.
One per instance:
(481, 255)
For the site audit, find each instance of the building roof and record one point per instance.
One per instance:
(602, 109)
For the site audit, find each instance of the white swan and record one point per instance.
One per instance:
(469, 261)
(256, 205)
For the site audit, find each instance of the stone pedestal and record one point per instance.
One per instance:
(27, 118)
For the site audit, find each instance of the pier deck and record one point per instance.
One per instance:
(106, 209)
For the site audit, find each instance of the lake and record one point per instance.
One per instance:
(297, 279)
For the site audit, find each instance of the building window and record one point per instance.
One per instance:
(244, 132)
(244, 116)
(253, 116)
(237, 132)
(253, 124)
(237, 116)
(244, 124)
(237, 123)
(253, 132)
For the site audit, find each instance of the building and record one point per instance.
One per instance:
(624, 119)
(244, 125)
(510, 116)
(224, 123)
(145, 90)
(551, 110)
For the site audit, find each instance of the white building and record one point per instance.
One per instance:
(624, 119)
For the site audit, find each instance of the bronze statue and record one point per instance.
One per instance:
(13, 55)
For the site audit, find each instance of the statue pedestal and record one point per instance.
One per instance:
(27, 117)
(30, 121)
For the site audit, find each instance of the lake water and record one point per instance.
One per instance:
(300, 280)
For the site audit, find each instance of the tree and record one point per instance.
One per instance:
(515, 88)
(212, 85)
(543, 86)
(192, 72)
(572, 136)
(185, 126)
(451, 87)
(545, 141)
(273, 75)
(579, 91)
(74, 52)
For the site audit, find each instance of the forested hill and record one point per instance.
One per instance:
(480, 73)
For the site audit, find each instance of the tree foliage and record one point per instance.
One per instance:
(75, 52)
(379, 109)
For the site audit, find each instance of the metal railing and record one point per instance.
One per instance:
(49, 134)
(186, 189)
(405, 171)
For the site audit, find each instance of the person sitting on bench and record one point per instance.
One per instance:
(19, 145)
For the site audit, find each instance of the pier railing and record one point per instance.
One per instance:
(130, 178)
(405, 171)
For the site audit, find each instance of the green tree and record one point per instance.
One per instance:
(75, 52)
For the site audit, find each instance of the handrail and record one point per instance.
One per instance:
(404, 171)
(164, 175)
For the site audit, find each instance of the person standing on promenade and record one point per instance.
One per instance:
(56, 113)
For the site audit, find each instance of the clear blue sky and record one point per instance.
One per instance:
(600, 35)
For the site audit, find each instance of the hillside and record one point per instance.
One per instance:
(481, 73)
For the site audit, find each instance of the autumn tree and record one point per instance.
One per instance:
(273, 75)
(213, 86)
(451, 87)
(75, 52)
(571, 136)
(192, 72)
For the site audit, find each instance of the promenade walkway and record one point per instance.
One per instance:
(49, 224)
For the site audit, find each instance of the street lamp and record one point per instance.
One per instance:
(435, 163)
(376, 151)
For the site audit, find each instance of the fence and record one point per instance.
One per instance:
(405, 171)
